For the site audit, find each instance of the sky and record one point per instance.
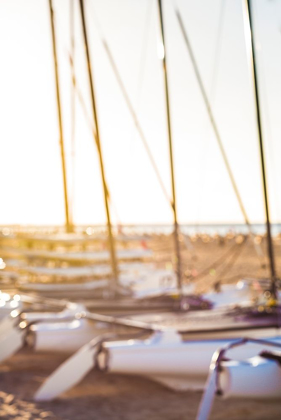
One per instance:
(30, 170)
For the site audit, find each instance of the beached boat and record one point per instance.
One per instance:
(7, 305)
(190, 337)
(59, 333)
(82, 257)
(253, 377)
(66, 241)
(63, 331)
(175, 350)
(256, 377)
(136, 284)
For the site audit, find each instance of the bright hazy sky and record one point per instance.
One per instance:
(30, 170)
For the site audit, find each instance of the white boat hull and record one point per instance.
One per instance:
(256, 377)
(66, 337)
(166, 359)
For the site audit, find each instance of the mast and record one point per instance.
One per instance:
(253, 63)
(174, 205)
(97, 139)
(73, 99)
(68, 223)
(216, 130)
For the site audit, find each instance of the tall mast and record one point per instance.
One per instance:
(73, 99)
(174, 205)
(249, 17)
(97, 139)
(68, 223)
(216, 130)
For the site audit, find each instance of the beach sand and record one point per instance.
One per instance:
(112, 397)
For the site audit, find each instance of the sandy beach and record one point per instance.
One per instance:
(112, 397)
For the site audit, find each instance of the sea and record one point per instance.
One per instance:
(188, 229)
(210, 229)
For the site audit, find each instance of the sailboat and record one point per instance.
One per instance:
(259, 376)
(114, 288)
(255, 377)
(78, 258)
(174, 349)
(178, 349)
(142, 300)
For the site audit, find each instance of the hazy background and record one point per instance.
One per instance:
(30, 170)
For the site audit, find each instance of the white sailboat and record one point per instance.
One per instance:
(176, 349)
(165, 356)
(258, 376)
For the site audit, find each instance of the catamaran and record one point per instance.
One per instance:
(174, 349)
(164, 355)
(255, 377)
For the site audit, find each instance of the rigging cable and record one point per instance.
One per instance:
(90, 124)
(217, 134)
(217, 262)
(213, 91)
(236, 254)
(273, 156)
(143, 58)
(111, 243)
(79, 94)
(143, 55)
(217, 55)
(131, 109)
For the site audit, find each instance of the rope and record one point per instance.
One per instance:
(131, 108)
(144, 53)
(90, 124)
(217, 55)
(215, 128)
(80, 96)
(217, 262)
(214, 80)
(236, 254)
(273, 156)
